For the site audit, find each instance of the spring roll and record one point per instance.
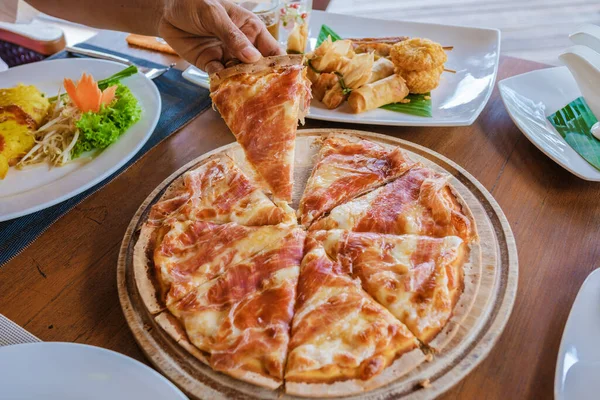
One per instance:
(382, 68)
(296, 43)
(322, 84)
(334, 97)
(357, 72)
(373, 95)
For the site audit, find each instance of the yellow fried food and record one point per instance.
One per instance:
(15, 141)
(422, 81)
(418, 54)
(27, 98)
(22, 110)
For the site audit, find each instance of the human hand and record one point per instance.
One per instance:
(208, 33)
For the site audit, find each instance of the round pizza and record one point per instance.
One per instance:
(348, 293)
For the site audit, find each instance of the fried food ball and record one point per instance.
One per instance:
(418, 54)
(422, 81)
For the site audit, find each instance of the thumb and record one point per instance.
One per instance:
(236, 42)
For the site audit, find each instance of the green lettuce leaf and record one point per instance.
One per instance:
(101, 129)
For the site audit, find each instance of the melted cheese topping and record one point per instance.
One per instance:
(346, 169)
(193, 252)
(417, 278)
(242, 317)
(338, 331)
(262, 111)
(220, 192)
(419, 202)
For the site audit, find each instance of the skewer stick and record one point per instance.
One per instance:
(450, 70)
(448, 48)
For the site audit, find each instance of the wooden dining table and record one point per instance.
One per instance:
(63, 286)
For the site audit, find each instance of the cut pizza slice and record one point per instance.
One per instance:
(339, 333)
(261, 104)
(241, 319)
(419, 279)
(190, 253)
(346, 168)
(218, 191)
(419, 202)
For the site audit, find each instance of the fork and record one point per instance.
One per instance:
(151, 73)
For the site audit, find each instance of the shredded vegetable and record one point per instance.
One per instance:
(69, 132)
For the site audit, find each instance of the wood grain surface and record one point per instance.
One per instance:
(480, 315)
(63, 287)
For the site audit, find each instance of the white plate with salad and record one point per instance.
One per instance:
(71, 144)
(460, 91)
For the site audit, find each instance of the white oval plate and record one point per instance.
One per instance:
(578, 364)
(458, 100)
(32, 189)
(70, 371)
(530, 98)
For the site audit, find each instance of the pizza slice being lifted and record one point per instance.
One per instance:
(218, 191)
(419, 279)
(345, 169)
(342, 340)
(419, 202)
(240, 320)
(261, 104)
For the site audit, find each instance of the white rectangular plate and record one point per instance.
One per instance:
(530, 98)
(458, 100)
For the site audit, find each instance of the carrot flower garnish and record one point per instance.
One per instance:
(86, 95)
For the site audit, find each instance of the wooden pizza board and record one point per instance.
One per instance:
(478, 321)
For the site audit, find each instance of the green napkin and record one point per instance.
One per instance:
(573, 123)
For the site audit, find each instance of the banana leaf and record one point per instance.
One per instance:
(573, 122)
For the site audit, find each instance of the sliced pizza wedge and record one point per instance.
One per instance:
(190, 253)
(218, 191)
(345, 168)
(419, 202)
(419, 279)
(241, 319)
(342, 340)
(261, 104)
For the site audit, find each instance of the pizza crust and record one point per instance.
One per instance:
(256, 379)
(173, 328)
(399, 368)
(143, 270)
(264, 64)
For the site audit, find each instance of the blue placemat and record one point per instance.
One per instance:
(181, 102)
